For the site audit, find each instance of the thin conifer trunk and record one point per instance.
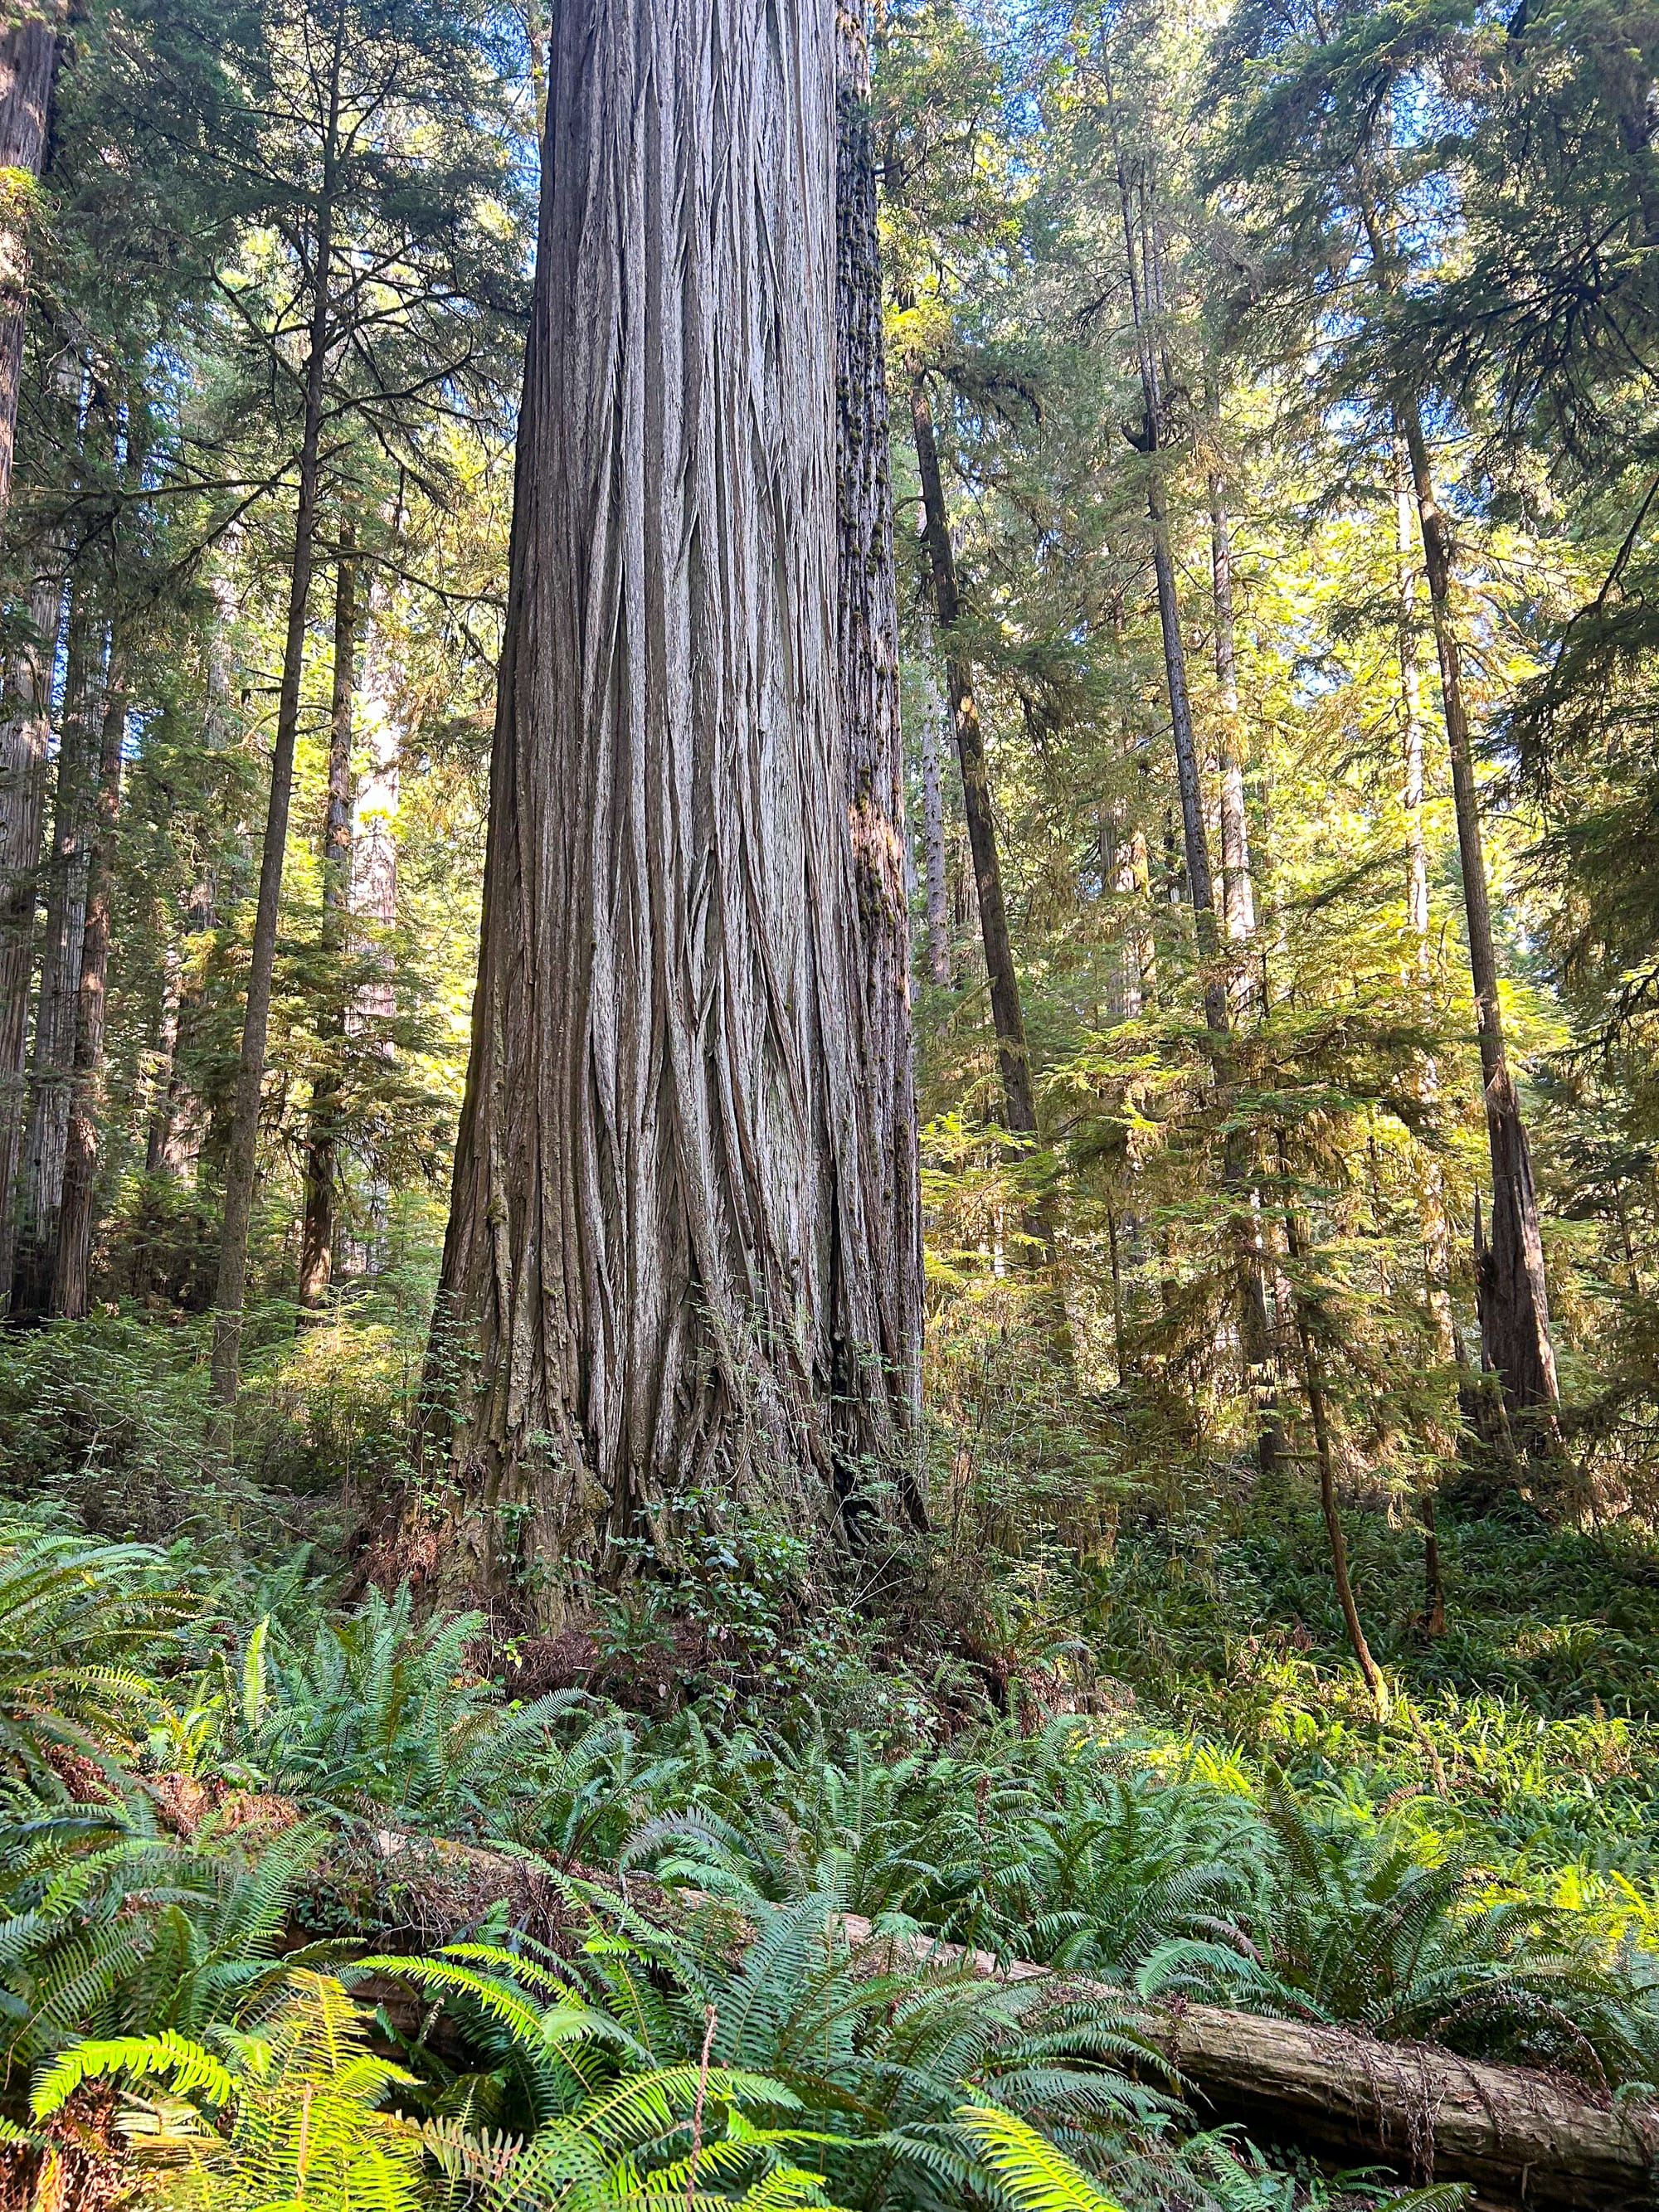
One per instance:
(1238, 893)
(1325, 1454)
(1515, 1295)
(1511, 1284)
(71, 1286)
(53, 1052)
(25, 740)
(158, 1140)
(1430, 1177)
(1142, 255)
(230, 1297)
(1007, 1014)
(933, 843)
(322, 1129)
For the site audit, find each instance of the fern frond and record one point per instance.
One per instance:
(190, 2066)
(1029, 2171)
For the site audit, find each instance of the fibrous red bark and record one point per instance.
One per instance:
(670, 1209)
(28, 53)
(867, 628)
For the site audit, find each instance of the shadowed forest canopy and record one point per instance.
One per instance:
(830, 1077)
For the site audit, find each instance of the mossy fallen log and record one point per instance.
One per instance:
(1522, 2137)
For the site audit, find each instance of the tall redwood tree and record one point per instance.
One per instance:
(674, 1201)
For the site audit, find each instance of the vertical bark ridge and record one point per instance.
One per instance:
(867, 634)
(29, 55)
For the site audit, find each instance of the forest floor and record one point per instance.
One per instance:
(1154, 1766)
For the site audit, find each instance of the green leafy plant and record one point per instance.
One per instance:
(383, 1709)
(289, 2110)
(1028, 2169)
(110, 1929)
(80, 1628)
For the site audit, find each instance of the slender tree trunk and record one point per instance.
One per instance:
(1007, 1015)
(323, 1130)
(1430, 1178)
(1512, 1289)
(1515, 1298)
(373, 900)
(158, 1141)
(1238, 896)
(1324, 1451)
(1143, 306)
(1199, 884)
(658, 1275)
(175, 1128)
(873, 739)
(1135, 963)
(25, 737)
(28, 56)
(1142, 261)
(72, 1268)
(52, 1058)
(1432, 1193)
(933, 841)
(230, 1297)
(1125, 872)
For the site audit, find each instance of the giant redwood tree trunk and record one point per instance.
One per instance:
(28, 52)
(670, 1213)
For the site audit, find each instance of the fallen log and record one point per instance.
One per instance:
(1522, 2137)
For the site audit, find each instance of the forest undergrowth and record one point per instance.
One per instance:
(1147, 1760)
